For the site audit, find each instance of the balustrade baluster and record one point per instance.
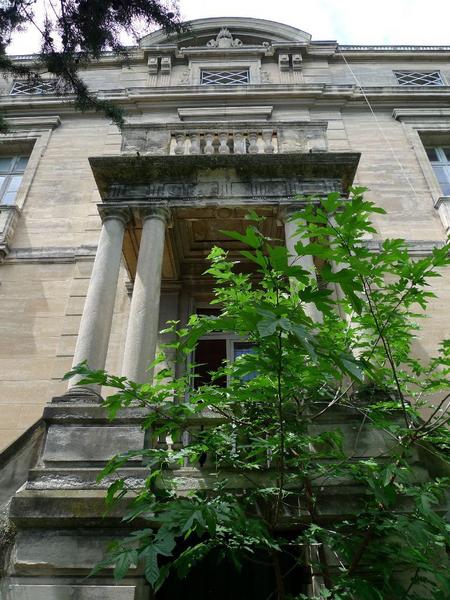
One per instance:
(253, 146)
(223, 147)
(267, 139)
(209, 148)
(238, 143)
(195, 144)
(180, 139)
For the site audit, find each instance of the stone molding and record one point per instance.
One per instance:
(37, 122)
(206, 113)
(32, 140)
(181, 194)
(421, 126)
(199, 179)
(9, 216)
(55, 254)
(255, 92)
(414, 115)
(392, 50)
(443, 206)
(114, 212)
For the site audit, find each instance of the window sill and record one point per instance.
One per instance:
(442, 200)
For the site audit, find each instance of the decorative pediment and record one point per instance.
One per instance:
(231, 32)
(224, 39)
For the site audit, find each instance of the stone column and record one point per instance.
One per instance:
(306, 262)
(142, 333)
(95, 325)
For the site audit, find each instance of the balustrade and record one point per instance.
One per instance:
(224, 142)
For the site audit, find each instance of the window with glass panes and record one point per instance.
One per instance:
(229, 77)
(214, 350)
(439, 157)
(12, 169)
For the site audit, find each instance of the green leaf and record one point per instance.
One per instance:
(164, 542)
(151, 569)
(351, 366)
(123, 562)
(267, 326)
(304, 338)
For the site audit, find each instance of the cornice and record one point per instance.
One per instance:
(387, 51)
(172, 177)
(406, 114)
(315, 47)
(106, 58)
(47, 122)
(56, 254)
(138, 98)
(261, 92)
(207, 125)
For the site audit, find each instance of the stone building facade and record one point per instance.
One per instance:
(104, 233)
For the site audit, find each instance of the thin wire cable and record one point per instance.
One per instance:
(380, 129)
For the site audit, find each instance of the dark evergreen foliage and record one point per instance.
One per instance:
(76, 32)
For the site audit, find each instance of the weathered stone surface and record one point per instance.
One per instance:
(37, 551)
(15, 464)
(70, 592)
(63, 508)
(73, 443)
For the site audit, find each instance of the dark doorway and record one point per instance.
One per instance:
(210, 355)
(215, 579)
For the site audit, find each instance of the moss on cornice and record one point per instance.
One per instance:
(135, 170)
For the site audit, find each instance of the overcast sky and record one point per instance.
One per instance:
(347, 21)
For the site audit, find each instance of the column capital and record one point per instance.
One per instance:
(108, 211)
(287, 210)
(155, 211)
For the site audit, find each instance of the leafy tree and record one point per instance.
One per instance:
(314, 408)
(74, 33)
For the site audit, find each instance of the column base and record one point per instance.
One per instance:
(80, 393)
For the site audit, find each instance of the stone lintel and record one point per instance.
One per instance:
(254, 176)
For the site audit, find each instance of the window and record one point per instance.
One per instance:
(232, 77)
(12, 169)
(211, 354)
(214, 349)
(439, 157)
(426, 78)
(31, 88)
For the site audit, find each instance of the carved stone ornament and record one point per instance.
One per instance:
(224, 39)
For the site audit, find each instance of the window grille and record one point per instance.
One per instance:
(419, 78)
(12, 169)
(31, 88)
(234, 77)
(439, 157)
